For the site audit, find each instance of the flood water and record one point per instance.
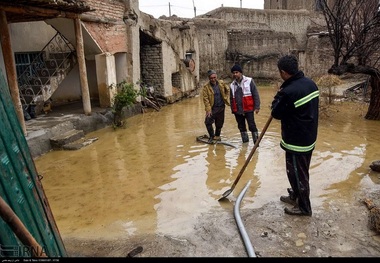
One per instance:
(154, 177)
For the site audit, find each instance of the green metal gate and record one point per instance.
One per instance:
(21, 188)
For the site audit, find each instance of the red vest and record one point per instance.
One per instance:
(248, 101)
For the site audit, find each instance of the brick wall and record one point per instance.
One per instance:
(111, 37)
(109, 9)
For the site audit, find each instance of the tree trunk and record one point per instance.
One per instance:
(373, 112)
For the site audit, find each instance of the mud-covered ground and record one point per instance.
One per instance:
(342, 230)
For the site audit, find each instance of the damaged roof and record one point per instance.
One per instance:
(36, 10)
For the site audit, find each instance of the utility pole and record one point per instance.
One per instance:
(241, 3)
(195, 9)
(170, 12)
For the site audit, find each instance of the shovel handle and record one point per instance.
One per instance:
(252, 152)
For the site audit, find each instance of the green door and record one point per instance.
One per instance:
(21, 189)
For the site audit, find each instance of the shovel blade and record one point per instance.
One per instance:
(225, 194)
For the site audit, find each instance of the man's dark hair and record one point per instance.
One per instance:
(289, 64)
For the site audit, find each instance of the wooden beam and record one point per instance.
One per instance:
(82, 67)
(104, 20)
(37, 11)
(20, 230)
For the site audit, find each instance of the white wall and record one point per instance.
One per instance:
(31, 36)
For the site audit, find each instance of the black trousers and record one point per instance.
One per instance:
(217, 117)
(297, 169)
(242, 118)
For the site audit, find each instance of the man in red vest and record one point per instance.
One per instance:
(244, 101)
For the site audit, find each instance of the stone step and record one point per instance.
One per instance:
(57, 142)
(79, 144)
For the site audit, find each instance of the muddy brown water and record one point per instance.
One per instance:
(154, 177)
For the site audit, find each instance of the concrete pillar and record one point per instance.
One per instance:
(106, 78)
(133, 52)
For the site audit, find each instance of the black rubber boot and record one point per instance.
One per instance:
(210, 131)
(210, 140)
(255, 136)
(218, 132)
(244, 137)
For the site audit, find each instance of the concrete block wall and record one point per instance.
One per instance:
(151, 67)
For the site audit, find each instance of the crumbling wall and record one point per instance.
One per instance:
(213, 43)
(290, 5)
(178, 40)
(257, 50)
(319, 55)
(256, 38)
(295, 22)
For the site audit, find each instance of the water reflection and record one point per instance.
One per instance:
(153, 176)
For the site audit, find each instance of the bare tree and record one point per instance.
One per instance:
(354, 31)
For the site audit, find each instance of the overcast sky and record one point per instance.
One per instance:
(185, 8)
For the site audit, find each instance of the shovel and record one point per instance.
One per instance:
(226, 193)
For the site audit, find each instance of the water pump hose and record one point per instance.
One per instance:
(243, 232)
